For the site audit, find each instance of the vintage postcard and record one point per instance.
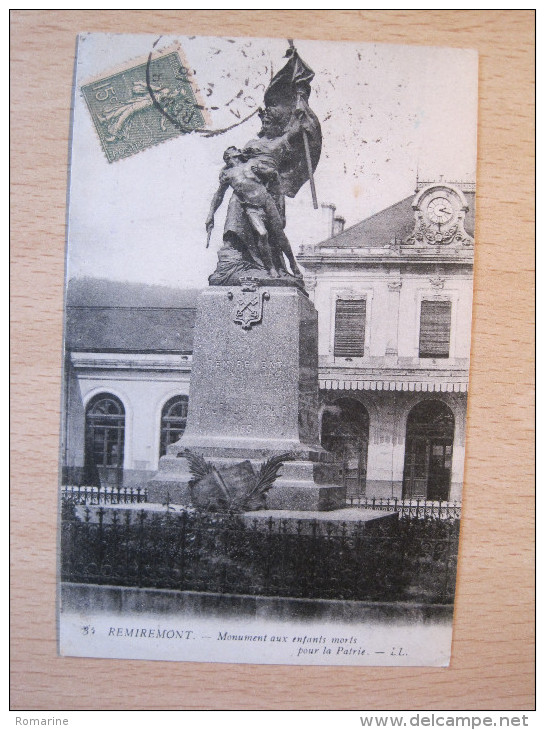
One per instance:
(267, 334)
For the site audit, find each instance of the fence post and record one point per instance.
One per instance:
(100, 513)
(141, 518)
(127, 542)
(316, 556)
(68, 531)
(342, 552)
(181, 548)
(267, 574)
(115, 541)
(300, 556)
(447, 562)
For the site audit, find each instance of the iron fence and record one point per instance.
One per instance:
(104, 495)
(416, 508)
(404, 560)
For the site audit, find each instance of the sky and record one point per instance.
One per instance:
(389, 113)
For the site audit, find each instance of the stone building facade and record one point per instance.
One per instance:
(127, 369)
(393, 295)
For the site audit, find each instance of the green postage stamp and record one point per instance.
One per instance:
(143, 106)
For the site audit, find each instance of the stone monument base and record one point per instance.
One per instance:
(301, 484)
(254, 395)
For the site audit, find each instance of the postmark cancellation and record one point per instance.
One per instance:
(143, 106)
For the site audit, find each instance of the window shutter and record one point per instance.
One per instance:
(349, 328)
(435, 329)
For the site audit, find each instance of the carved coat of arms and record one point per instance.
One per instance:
(248, 309)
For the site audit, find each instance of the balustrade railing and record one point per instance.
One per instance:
(104, 495)
(418, 508)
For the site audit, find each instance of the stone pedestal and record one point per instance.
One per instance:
(254, 394)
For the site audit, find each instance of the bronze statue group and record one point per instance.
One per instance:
(268, 168)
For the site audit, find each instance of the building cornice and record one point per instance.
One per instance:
(131, 361)
(355, 258)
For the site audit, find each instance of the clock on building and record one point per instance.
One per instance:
(440, 210)
(439, 217)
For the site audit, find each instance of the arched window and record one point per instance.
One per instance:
(428, 451)
(173, 420)
(104, 440)
(345, 433)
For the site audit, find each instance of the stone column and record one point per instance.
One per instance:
(394, 288)
(386, 450)
(458, 448)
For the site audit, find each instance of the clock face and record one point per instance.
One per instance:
(440, 210)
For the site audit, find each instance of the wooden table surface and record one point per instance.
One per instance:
(493, 652)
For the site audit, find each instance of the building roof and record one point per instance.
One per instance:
(397, 221)
(106, 316)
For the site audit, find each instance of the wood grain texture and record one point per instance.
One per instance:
(492, 663)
